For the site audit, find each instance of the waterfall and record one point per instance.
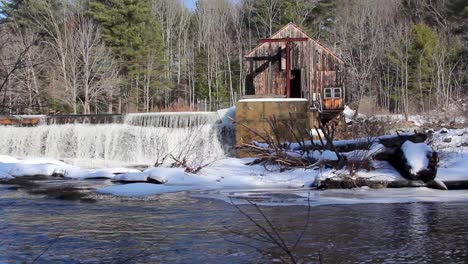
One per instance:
(142, 139)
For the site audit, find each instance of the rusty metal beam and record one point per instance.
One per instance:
(288, 42)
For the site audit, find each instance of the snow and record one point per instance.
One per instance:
(455, 170)
(20, 170)
(324, 155)
(383, 172)
(416, 155)
(224, 173)
(11, 167)
(348, 114)
(452, 147)
(8, 159)
(141, 189)
(233, 173)
(273, 100)
(80, 174)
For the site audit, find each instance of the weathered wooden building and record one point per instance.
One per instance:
(314, 72)
(293, 79)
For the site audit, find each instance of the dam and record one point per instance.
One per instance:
(117, 140)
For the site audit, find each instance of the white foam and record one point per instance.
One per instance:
(112, 144)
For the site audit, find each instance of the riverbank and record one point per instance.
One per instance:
(234, 173)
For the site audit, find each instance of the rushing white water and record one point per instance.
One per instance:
(172, 119)
(142, 140)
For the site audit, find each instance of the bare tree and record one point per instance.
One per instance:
(268, 11)
(360, 31)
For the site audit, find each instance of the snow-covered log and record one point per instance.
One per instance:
(416, 161)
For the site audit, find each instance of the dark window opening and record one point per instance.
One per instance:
(328, 93)
(336, 92)
(296, 84)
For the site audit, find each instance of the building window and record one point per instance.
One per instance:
(336, 92)
(328, 93)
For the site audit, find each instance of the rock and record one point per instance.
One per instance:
(443, 131)
(447, 140)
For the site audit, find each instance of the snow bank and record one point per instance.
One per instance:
(80, 174)
(141, 189)
(51, 167)
(224, 173)
(416, 155)
(7, 159)
(20, 170)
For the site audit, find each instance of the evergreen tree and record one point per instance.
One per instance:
(130, 30)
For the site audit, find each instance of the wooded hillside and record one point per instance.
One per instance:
(114, 56)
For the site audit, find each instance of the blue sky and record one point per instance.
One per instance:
(190, 3)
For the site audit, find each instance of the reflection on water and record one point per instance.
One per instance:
(183, 229)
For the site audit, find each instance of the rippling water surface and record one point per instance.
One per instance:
(180, 228)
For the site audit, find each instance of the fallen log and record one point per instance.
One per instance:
(389, 141)
(414, 161)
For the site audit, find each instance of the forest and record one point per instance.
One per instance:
(119, 56)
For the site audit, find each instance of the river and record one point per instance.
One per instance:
(186, 228)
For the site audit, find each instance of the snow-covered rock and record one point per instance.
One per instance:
(21, 170)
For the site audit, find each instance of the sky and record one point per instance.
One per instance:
(190, 4)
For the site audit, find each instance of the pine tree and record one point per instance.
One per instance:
(135, 37)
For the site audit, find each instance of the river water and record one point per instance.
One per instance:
(185, 228)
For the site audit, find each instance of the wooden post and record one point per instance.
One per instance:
(288, 68)
(270, 72)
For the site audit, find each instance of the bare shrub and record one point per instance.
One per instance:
(269, 233)
(273, 148)
(359, 160)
